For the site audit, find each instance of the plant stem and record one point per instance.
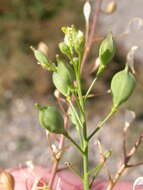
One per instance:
(120, 172)
(53, 173)
(56, 161)
(85, 166)
(71, 139)
(84, 140)
(100, 125)
(90, 88)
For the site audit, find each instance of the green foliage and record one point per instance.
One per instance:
(122, 86)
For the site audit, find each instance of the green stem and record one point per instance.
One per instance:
(71, 139)
(85, 142)
(85, 166)
(73, 170)
(100, 125)
(90, 88)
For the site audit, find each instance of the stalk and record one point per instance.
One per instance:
(85, 166)
(84, 137)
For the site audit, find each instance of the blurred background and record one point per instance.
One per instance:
(23, 83)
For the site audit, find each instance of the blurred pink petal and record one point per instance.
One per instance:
(25, 178)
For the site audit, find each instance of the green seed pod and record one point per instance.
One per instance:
(106, 52)
(107, 49)
(51, 119)
(65, 49)
(63, 78)
(122, 86)
(43, 60)
(41, 57)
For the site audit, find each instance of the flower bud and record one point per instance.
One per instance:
(122, 86)
(65, 49)
(42, 46)
(74, 39)
(63, 78)
(70, 34)
(106, 52)
(79, 42)
(86, 11)
(51, 119)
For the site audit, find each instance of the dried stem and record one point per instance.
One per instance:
(124, 145)
(127, 156)
(57, 160)
(92, 33)
(114, 180)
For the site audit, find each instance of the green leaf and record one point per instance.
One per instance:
(51, 119)
(122, 86)
(63, 78)
(72, 116)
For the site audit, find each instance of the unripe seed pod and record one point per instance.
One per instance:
(106, 52)
(43, 60)
(40, 56)
(51, 119)
(63, 78)
(122, 86)
(107, 49)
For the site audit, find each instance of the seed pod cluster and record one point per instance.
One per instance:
(51, 119)
(122, 86)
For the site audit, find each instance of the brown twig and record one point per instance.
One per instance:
(92, 33)
(127, 156)
(57, 160)
(57, 157)
(124, 144)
